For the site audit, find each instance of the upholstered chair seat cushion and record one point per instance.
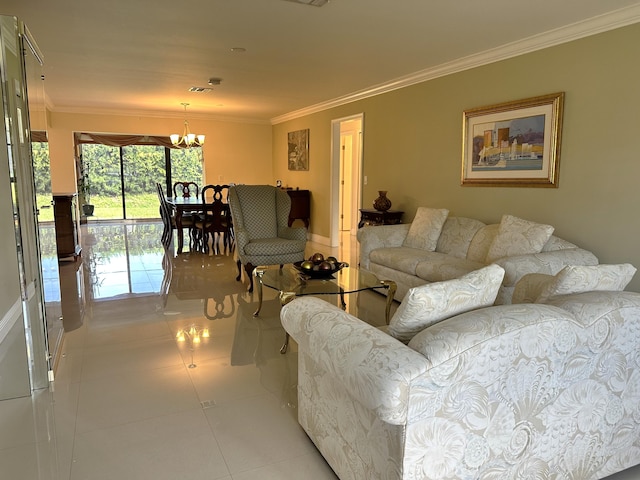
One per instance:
(266, 246)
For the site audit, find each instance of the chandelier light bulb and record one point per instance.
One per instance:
(187, 139)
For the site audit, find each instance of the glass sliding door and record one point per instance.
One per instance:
(102, 181)
(120, 182)
(186, 166)
(143, 166)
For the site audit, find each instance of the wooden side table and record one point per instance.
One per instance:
(369, 216)
(300, 206)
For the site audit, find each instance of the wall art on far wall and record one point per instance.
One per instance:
(298, 150)
(514, 144)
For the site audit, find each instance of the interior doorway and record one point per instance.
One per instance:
(346, 175)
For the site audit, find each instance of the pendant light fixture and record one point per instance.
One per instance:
(187, 139)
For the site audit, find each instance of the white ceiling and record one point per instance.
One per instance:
(136, 56)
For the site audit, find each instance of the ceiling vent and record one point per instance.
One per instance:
(314, 3)
(200, 89)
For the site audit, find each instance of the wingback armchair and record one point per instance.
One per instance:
(260, 216)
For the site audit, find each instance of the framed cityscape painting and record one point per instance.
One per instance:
(298, 150)
(513, 144)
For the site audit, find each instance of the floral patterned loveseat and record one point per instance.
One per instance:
(436, 247)
(539, 390)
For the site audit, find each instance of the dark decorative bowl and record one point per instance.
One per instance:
(320, 273)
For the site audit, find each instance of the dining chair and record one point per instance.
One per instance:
(215, 221)
(185, 189)
(260, 215)
(165, 215)
(169, 221)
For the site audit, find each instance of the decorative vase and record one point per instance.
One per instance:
(382, 203)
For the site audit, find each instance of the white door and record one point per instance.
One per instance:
(346, 175)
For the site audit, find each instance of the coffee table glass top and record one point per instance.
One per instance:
(291, 283)
(289, 279)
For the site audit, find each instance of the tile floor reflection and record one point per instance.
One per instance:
(126, 405)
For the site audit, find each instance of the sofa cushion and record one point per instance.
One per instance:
(481, 242)
(529, 287)
(404, 259)
(580, 279)
(517, 236)
(456, 235)
(428, 304)
(425, 228)
(445, 267)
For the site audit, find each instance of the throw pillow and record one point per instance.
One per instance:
(425, 228)
(518, 237)
(579, 279)
(428, 304)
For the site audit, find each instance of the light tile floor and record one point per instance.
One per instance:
(125, 404)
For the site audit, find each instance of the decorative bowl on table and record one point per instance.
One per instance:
(319, 267)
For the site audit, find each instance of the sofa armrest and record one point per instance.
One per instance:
(545, 262)
(376, 369)
(382, 236)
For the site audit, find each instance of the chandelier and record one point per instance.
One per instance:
(187, 139)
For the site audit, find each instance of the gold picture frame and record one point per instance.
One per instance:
(513, 144)
(298, 150)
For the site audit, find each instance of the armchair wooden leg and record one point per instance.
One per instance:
(248, 268)
(239, 271)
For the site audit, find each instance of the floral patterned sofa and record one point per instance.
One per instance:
(539, 390)
(437, 247)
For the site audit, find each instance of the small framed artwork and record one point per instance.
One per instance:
(298, 149)
(514, 144)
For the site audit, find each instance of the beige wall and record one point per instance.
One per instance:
(233, 151)
(413, 137)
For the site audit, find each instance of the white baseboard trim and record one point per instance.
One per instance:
(325, 241)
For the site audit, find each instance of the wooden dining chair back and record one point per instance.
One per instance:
(215, 222)
(165, 215)
(169, 221)
(185, 189)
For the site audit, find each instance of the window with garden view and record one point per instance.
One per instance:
(120, 182)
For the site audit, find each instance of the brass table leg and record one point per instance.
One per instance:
(258, 272)
(342, 302)
(391, 291)
(286, 297)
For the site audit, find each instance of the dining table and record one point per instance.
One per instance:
(180, 206)
(185, 205)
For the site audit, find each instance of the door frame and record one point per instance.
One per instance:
(334, 227)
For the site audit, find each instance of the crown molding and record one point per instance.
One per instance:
(586, 28)
(154, 114)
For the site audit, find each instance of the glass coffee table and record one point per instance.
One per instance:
(291, 283)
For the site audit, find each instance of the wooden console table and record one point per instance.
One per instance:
(300, 206)
(369, 216)
(66, 222)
